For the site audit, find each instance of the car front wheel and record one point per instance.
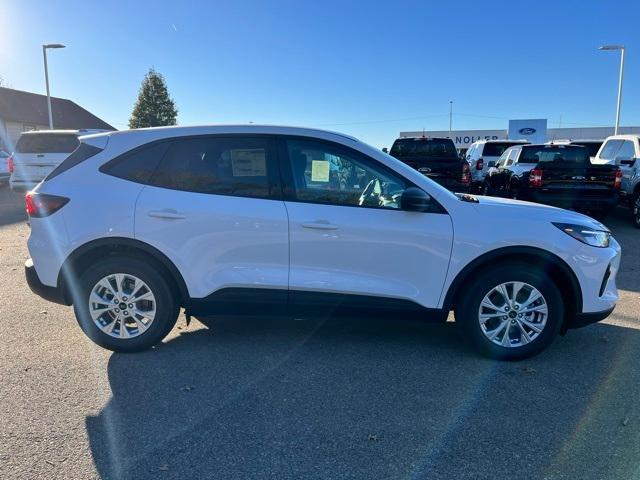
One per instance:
(636, 211)
(125, 304)
(511, 313)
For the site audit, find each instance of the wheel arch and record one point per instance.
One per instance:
(558, 269)
(85, 254)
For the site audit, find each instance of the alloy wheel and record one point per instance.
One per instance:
(513, 314)
(122, 306)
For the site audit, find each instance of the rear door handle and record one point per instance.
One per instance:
(320, 225)
(168, 213)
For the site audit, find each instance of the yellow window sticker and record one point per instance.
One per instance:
(319, 171)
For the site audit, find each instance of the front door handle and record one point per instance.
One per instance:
(320, 225)
(168, 213)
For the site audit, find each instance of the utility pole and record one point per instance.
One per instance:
(450, 116)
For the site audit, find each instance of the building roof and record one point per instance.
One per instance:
(31, 108)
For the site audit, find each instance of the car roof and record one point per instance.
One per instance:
(425, 137)
(626, 136)
(154, 133)
(503, 140)
(82, 131)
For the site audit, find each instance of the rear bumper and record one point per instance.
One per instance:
(22, 185)
(584, 319)
(574, 201)
(52, 294)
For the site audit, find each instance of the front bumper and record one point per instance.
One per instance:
(584, 319)
(52, 294)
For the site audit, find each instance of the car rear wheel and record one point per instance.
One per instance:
(511, 313)
(125, 305)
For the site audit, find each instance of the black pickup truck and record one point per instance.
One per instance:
(559, 175)
(436, 158)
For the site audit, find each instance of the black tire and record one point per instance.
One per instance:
(635, 210)
(467, 311)
(487, 190)
(166, 306)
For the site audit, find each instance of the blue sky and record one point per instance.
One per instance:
(370, 69)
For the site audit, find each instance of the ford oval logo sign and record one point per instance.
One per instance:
(527, 131)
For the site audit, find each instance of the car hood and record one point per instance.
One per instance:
(507, 209)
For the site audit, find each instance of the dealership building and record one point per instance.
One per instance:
(535, 131)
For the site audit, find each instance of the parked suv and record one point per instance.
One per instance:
(483, 155)
(37, 153)
(560, 175)
(436, 158)
(136, 224)
(5, 172)
(624, 151)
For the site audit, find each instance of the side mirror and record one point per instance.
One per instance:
(491, 164)
(415, 199)
(385, 149)
(627, 161)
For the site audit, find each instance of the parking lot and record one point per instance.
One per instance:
(323, 398)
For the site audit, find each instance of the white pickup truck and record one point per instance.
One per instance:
(624, 151)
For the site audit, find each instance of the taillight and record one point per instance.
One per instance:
(42, 205)
(535, 177)
(466, 173)
(10, 165)
(617, 182)
(480, 164)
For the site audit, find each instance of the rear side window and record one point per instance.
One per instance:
(238, 166)
(139, 164)
(79, 155)
(47, 143)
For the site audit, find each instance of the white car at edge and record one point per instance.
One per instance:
(135, 225)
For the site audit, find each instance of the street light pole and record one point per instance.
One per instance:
(620, 80)
(46, 78)
(450, 116)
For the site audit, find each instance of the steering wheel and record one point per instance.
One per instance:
(369, 192)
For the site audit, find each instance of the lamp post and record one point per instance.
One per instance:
(46, 77)
(621, 48)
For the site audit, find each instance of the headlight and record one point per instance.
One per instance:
(595, 238)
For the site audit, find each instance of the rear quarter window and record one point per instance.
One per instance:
(139, 164)
(47, 143)
(79, 155)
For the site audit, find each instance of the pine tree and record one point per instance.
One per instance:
(154, 107)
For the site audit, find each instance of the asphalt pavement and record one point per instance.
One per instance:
(280, 398)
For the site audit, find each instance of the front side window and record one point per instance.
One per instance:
(237, 166)
(610, 148)
(503, 158)
(323, 173)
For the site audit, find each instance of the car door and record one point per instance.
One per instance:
(625, 158)
(347, 232)
(213, 207)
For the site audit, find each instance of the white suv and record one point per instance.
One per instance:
(483, 154)
(136, 224)
(38, 152)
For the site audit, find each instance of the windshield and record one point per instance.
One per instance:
(441, 148)
(47, 143)
(495, 149)
(554, 153)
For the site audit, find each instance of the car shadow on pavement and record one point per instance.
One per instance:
(12, 208)
(368, 398)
